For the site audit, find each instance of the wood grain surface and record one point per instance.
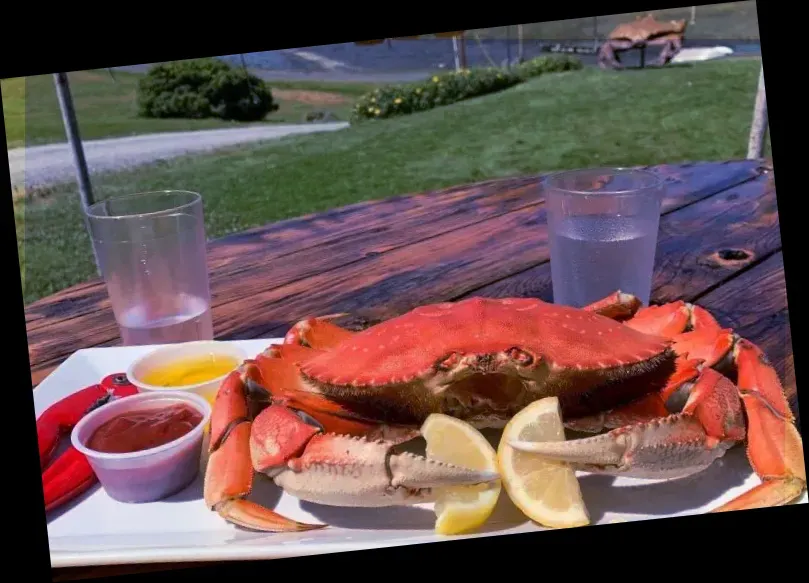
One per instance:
(373, 257)
(719, 245)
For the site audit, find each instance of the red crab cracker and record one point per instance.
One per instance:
(321, 414)
(70, 474)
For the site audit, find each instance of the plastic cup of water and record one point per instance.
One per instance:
(602, 232)
(151, 251)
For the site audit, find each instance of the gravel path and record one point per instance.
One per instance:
(53, 163)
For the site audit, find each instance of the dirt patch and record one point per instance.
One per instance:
(309, 97)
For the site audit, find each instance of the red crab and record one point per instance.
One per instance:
(335, 402)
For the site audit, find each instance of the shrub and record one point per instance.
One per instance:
(436, 91)
(201, 88)
(548, 64)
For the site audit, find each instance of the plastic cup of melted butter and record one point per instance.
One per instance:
(145, 447)
(191, 367)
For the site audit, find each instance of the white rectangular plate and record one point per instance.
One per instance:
(96, 530)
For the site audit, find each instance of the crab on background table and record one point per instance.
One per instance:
(322, 412)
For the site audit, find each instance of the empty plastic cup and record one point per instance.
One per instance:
(151, 249)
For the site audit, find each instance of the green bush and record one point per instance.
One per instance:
(455, 86)
(548, 64)
(436, 91)
(201, 88)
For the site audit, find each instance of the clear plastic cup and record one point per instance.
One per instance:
(151, 251)
(602, 231)
(151, 474)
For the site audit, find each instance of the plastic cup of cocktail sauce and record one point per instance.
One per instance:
(150, 474)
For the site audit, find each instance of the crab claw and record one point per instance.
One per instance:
(341, 470)
(229, 474)
(672, 447)
(338, 470)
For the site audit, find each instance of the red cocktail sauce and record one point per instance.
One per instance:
(144, 428)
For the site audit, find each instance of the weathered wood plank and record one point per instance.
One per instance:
(266, 243)
(235, 284)
(459, 260)
(50, 345)
(263, 244)
(755, 305)
(691, 245)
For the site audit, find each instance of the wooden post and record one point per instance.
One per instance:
(520, 56)
(462, 51)
(456, 50)
(758, 130)
(508, 47)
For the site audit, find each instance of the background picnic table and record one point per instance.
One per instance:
(719, 245)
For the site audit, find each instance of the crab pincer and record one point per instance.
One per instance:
(70, 474)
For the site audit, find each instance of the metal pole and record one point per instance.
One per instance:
(73, 138)
(758, 130)
(595, 32)
(693, 15)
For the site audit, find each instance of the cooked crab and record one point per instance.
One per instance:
(323, 412)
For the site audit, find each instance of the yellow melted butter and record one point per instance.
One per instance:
(190, 371)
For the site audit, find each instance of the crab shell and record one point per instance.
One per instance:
(482, 360)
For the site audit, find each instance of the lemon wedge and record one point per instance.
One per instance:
(460, 509)
(546, 491)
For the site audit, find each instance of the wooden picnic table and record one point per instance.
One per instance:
(719, 245)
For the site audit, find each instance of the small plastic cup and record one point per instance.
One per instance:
(151, 474)
(602, 231)
(169, 354)
(151, 251)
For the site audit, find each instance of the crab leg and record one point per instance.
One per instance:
(317, 333)
(699, 341)
(704, 415)
(617, 306)
(775, 448)
(229, 474)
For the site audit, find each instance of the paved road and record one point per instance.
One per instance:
(53, 163)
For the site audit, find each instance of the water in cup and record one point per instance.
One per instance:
(593, 256)
(190, 321)
(602, 232)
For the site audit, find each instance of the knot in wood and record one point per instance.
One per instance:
(733, 254)
(727, 258)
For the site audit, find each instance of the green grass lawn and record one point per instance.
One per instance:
(106, 106)
(565, 120)
(728, 20)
